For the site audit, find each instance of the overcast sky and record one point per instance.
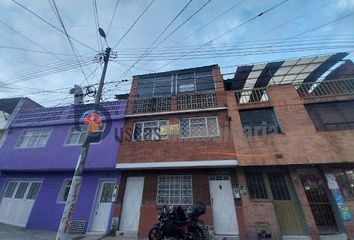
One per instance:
(43, 57)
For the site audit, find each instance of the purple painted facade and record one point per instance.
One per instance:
(55, 162)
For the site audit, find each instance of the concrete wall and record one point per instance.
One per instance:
(47, 212)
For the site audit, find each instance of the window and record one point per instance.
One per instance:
(345, 180)
(259, 121)
(196, 81)
(199, 127)
(174, 190)
(32, 192)
(176, 83)
(256, 186)
(21, 190)
(158, 86)
(34, 138)
(149, 130)
(76, 136)
(64, 192)
(332, 115)
(10, 189)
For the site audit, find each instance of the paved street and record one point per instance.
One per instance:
(8, 232)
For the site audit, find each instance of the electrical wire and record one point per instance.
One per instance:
(226, 32)
(68, 38)
(114, 13)
(158, 37)
(135, 22)
(53, 26)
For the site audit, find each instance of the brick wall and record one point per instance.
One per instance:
(175, 148)
(200, 181)
(299, 142)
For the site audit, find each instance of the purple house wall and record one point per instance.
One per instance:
(55, 162)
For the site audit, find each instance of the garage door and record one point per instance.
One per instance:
(17, 202)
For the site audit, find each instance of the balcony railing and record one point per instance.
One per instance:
(152, 104)
(197, 101)
(326, 88)
(255, 95)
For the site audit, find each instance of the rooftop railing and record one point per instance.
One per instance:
(254, 95)
(197, 101)
(326, 88)
(152, 104)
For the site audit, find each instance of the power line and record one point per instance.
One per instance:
(158, 37)
(322, 25)
(97, 23)
(67, 36)
(53, 26)
(32, 50)
(135, 22)
(114, 13)
(30, 40)
(226, 32)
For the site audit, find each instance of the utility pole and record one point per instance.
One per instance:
(62, 233)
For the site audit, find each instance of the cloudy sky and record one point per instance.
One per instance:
(37, 60)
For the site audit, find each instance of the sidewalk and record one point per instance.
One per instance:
(8, 232)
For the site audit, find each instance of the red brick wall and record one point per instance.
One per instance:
(175, 148)
(149, 209)
(299, 142)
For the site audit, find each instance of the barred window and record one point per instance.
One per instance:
(256, 186)
(199, 127)
(34, 138)
(331, 116)
(64, 192)
(174, 190)
(345, 180)
(259, 121)
(148, 130)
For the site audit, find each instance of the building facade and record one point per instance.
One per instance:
(37, 162)
(175, 135)
(293, 142)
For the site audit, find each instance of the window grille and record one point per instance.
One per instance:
(256, 186)
(174, 190)
(259, 121)
(148, 130)
(345, 180)
(199, 127)
(332, 115)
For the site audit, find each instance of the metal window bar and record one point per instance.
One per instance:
(256, 186)
(252, 95)
(326, 88)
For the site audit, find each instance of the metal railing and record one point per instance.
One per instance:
(252, 95)
(197, 101)
(326, 88)
(152, 104)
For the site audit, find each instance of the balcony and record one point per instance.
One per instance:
(256, 95)
(197, 101)
(326, 88)
(152, 104)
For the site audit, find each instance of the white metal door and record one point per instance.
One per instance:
(222, 201)
(133, 195)
(102, 210)
(17, 202)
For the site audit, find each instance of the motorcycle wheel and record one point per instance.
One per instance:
(195, 233)
(155, 234)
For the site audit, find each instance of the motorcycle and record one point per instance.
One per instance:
(175, 223)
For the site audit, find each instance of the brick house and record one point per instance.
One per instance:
(293, 136)
(177, 149)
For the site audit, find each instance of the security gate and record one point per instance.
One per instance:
(17, 202)
(321, 207)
